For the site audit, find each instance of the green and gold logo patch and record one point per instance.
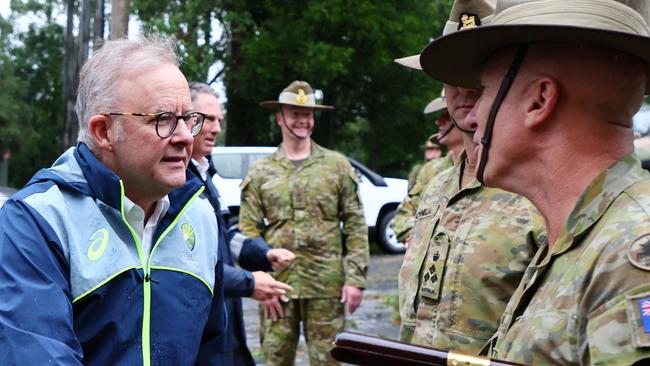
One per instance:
(188, 235)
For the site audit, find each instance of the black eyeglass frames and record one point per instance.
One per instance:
(166, 122)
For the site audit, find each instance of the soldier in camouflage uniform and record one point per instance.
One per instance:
(304, 198)
(470, 244)
(447, 135)
(551, 131)
(432, 152)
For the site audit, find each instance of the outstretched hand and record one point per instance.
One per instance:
(280, 258)
(273, 307)
(267, 287)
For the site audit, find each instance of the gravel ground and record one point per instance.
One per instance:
(377, 314)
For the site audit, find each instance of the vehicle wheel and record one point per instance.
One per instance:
(387, 239)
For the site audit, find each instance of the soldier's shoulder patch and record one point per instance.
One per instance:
(638, 314)
(638, 253)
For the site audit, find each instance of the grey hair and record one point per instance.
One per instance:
(197, 88)
(97, 91)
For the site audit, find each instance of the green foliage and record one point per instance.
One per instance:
(344, 48)
(31, 103)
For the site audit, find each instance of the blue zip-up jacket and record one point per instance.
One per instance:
(74, 288)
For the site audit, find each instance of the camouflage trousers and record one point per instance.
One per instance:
(321, 319)
(406, 332)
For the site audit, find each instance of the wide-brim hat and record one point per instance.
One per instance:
(299, 94)
(464, 14)
(605, 23)
(437, 104)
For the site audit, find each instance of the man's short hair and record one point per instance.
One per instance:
(197, 88)
(100, 75)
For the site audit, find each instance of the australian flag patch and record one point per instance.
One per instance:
(644, 309)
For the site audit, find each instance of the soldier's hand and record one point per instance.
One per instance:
(280, 258)
(273, 307)
(352, 296)
(266, 286)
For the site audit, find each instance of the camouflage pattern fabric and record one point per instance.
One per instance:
(583, 301)
(468, 251)
(413, 174)
(303, 207)
(321, 320)
(405, 214)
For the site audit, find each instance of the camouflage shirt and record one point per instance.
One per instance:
(467, 254)
(311, 209)
(404, 217)
(583, 301)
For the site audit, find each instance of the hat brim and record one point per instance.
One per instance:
(435, 105)
(412, 62)
(274, 105)
(471, 48)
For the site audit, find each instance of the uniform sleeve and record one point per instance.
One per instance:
(405, 215)
(355, 230)
(617, 330)
(36, 317)
(251, 210)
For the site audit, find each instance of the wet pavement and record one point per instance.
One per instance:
(377, 314)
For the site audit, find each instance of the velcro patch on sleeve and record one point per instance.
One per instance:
(638, 315)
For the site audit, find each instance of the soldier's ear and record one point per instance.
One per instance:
(541, 98)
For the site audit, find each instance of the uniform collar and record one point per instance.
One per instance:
(597, 198)
(315, 153)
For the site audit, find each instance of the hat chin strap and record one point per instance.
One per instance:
(508, 79)
(458, 126)
(284, 122)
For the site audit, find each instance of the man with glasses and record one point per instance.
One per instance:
(253, 254)
(109, 257)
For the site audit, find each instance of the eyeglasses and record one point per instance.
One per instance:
(166, 122)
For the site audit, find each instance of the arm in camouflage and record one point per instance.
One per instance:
(251, 210)
(355, 230)
(404, 217)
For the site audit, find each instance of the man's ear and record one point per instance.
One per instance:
(542, 97)
(278, 118)
(98, 126)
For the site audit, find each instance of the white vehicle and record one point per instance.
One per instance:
(380, 196)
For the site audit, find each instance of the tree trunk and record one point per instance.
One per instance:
(70, 80)
(119, 19)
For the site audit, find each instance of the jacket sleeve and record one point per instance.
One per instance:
(237, 282)
(213, 341)
(355, 230)
(36, 319)
(253, 255)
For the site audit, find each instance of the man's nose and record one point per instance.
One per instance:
(182, 134)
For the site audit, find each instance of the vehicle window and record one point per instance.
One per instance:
(234, 166)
